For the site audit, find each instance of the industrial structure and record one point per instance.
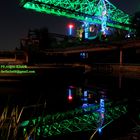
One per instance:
(93, 118)
(100, 12)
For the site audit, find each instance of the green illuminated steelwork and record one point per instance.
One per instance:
(137, 127)
(80, 10)
(73, 121)
(63, 115)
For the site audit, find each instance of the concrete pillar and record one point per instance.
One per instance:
(26, 57)
(121, 61)
(15, 56)
(121, 53)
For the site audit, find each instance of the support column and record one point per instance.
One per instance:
(26, 57)
(121, 61)
(121, 53)
(15, 56)
(86, 29)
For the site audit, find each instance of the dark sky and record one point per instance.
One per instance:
(15, 21)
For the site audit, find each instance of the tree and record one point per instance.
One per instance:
(45, 40)
(135, 23)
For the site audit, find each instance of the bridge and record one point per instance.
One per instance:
(120, 46)
(94, 47)
(100, 12)
(79, 119)
(119, 68)
(96, 11)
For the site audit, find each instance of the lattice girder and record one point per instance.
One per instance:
(85, 122)
(88, 10)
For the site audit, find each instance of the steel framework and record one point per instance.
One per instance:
(72, 121)
(84, 10)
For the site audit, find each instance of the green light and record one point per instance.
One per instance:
(25, 123)
(79, 10)
(74, 121)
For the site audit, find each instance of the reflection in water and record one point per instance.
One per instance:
(51, 93)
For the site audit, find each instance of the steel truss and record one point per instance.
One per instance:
(89, 10)
(73, 121)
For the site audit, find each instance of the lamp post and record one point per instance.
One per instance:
(70, 28)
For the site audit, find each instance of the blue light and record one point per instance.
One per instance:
(102, 111)
(70, 28)
(84, 55)
(100, 130)
(84, 105)
(86, 35)
(84, 99)
(69, 92)
(86, 26)
(85, 93)
(104, 20)
(102, 106)
(70, 31)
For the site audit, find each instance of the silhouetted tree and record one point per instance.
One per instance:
(135, 23)
(44, 40)
(33, 33)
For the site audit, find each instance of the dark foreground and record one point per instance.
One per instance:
(51, 88)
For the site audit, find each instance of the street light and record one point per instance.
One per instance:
(71, 26)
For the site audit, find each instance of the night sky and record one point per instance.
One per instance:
(16, 21)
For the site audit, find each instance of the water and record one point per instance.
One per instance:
(51, 89)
